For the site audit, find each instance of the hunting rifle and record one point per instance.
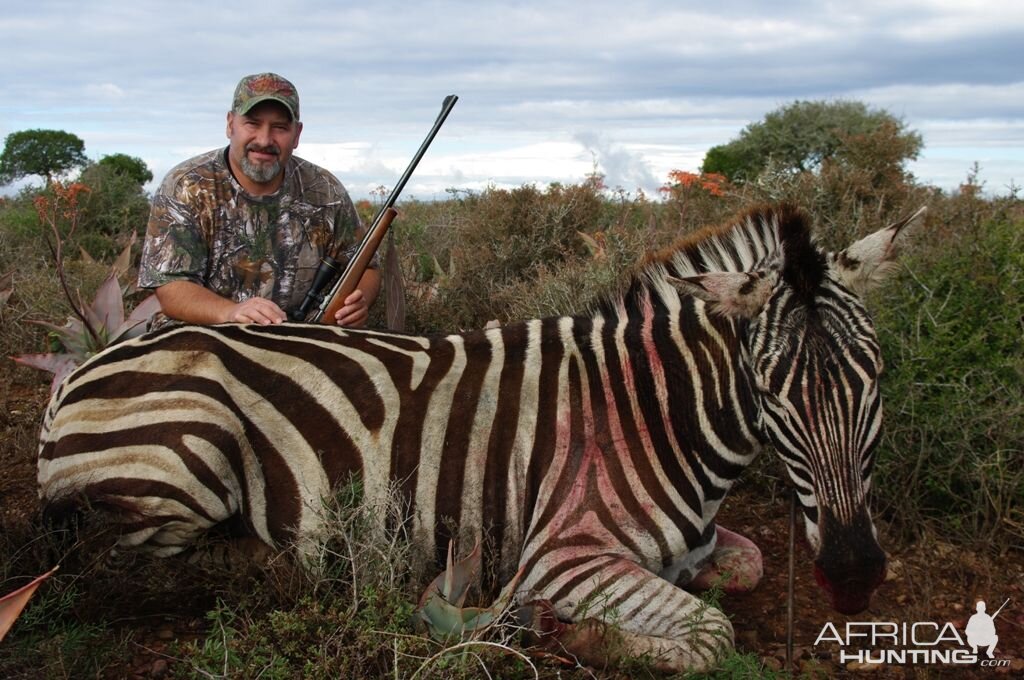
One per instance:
(334, 299)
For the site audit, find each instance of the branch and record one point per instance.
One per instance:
(58, 257)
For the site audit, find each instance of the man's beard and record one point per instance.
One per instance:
(260, 173)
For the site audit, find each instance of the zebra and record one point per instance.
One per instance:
(593, 451)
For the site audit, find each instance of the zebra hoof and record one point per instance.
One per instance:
(735, 565)
(590, 641)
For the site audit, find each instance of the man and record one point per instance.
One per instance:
(981, 630)
(236, 234)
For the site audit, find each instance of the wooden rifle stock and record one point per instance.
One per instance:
(356, 267)
(335, 298)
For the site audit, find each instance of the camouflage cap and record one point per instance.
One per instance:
(262, 87)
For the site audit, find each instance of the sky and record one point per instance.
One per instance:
(549, 91)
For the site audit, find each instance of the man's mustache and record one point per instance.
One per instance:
(272, 149)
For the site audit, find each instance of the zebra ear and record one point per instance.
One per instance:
(737, 294)
(866, 263)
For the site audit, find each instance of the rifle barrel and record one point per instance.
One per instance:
(357, 265)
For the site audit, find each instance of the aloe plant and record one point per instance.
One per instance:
(104, 324)
(6, 288)
(94, 326)
(440, 608)
(12, 603)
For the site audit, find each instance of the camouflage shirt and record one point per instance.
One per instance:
(205, 228)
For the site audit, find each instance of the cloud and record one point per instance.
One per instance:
(104, 91)
(622, 167)
(546, 87)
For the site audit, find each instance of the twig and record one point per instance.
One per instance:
(224, 637)
(472, 643)
(791, 581)
(58, 257)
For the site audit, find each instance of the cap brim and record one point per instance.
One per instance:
(248, 106)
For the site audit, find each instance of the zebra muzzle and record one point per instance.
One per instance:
(850, 564)
(851, 595)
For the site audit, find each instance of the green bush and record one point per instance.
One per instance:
(19, 224)
(132, 167)
(115, 206)
(98, 213)
(952, 334)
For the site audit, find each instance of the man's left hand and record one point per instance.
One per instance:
(354, 312)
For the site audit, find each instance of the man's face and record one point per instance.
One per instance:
(261, 142)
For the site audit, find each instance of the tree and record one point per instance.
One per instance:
(725, 159)
(47, 153)
(803, 135)
(127, 166)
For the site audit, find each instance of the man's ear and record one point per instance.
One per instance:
(866, 263)
(298, 133)
(736, 294)
(230, 122)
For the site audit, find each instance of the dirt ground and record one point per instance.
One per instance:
(930, 581)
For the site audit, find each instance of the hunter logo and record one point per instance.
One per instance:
(920, 642)
(981, 629)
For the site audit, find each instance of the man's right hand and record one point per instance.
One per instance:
(255, 310)
(191, 303)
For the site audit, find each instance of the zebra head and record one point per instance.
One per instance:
(814, 360)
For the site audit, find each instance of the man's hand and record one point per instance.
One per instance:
(190, 302)
(354, 312)
(255, 310)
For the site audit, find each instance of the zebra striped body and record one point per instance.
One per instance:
(592, 451)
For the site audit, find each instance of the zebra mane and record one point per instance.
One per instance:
(741, 244)
(765, 236)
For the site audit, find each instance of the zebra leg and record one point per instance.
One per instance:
(244, 553)
(154, 528)
(735, 564)
(620, 612)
